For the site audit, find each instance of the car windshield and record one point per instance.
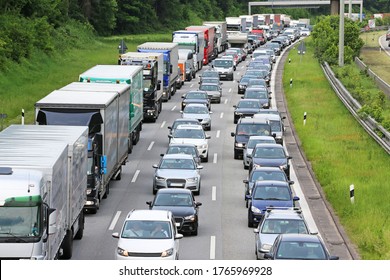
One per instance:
(196, 110)
(267, 152)
(210, 80)
(189, 133)
(276, 226)
(248, 104)
(224, 63)
(177, 123)
(300, 250)
(256, 94)
(272, 193)
(174, 163)
(182, 150)
(253, 129)
(173, 199)
(196, 95)
(268, 175)
(146, 230)
(252, 142)
(209, 87)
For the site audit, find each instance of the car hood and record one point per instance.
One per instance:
(195, 100)
(213, 93)
(242, 138)
(177, 211)
(176, 173)
(196, 142)
(195, 116)
(145, 245)
(269, 162)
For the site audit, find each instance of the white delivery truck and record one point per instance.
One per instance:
(235, 24)
(43, 187)
(153, 71)
(192, 40)
(171, 57)
(106, 115)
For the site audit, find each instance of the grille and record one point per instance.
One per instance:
(145, 255)
(176, 183)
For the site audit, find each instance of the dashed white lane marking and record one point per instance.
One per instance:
(163, 124)
(215, 158)
(218, 133)
(212, 247)
(151, 145)
(173, 109)
(115, 220)
(214, 193)
(135, 176)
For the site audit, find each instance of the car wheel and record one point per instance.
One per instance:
(250, 220)
(245, 166)
(195, 232)
(236, 155)
(154, 191)
(219, 101)
(206, 159)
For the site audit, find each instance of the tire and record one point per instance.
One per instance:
(195, 232)
(250, 220)
(130, 146)
(107, 192)
(219, 101)
(198, 191)
(154, 191)
(80, 232)
(67, 245)
(236, 156)
(207, 158)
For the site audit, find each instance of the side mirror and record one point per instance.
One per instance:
(115, 235)
(149, 203)
(155, 166)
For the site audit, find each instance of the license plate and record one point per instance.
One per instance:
(176, 185)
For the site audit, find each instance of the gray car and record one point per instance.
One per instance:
(181, 148)
(177, 171)
(213, 91)
(253, 140)
(277, 126)
(275, 222)
(199, 112)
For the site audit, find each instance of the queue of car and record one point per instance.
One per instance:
(280, 229)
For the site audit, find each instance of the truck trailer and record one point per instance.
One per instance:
(153, 71)
(220, 34)
(192, 40)
(43, 182)
(210, 51)
(117, 74)
(171, 57)
(106, 115)
(236, 24)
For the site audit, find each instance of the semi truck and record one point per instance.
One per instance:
(210, 51)
(192, 40)
(238, 40)
(153, 71)
(126, 74)
(171, 57)
(106, 115)
(188, 57)
(251, 22)
(235, 24)
(220, 34)
(43, 182)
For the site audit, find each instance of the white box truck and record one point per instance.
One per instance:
(153, 71)
(43, 191)
(116, 74)
(171, 57)
(193, 40)
(106, 115)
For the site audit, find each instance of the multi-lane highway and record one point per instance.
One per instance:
(223, 231)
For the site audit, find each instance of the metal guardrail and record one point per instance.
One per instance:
(369, 124)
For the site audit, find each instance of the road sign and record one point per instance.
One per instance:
(302, 48)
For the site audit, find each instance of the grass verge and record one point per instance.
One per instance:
(341, 154)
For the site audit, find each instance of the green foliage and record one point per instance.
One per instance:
(326, 40)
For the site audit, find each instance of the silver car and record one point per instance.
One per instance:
(277, 126)
(177, 171)
(199, 112)
(213, 91)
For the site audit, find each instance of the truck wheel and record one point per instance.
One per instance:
(80, 232)
(107, 192)
(67, 245)
(130, 146)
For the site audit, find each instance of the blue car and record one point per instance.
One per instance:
(268, 194)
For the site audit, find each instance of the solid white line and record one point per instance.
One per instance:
(163, 124)
(212, 247)
(214, 193)
(151, 145)
(221, 116)
(135, 176)
(218, 133)
(215, 158)
(115, 220)
(174, 107)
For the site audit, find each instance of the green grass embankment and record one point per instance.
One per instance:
(341, 154)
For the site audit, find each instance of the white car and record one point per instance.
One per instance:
(304, 31)
(148, 234)
(192, 134)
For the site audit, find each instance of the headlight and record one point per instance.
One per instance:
(256, 165)
(239, 145)
(265, 105)
(183, 104)
(237, 113)
(204, 146)
(160, 179)
(266, 247)
(241, 86)
(167, 253)
(89, 191)
(190, 218)
(192, 180)
(284, 166)
(122, 252)
(255, 210)
(206, 120)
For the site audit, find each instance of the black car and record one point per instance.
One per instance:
(261, 94)
(272, 155)
(196, 96)
(242, 84)
(245, 128)
(246, 108)
(183, 206)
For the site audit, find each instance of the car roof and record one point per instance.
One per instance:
(196, 105)
(177, 156)
(181, 145)
(269, 183)
(149, 215)
(269, 145)
(209, 84)
(190, 126)
(248, 99)
(271, 117)
(174, 190)
(266, 169)
(260, 137)
(300, 237)
(196, 91)
(250, 121)
(284, 213)
(185, 119)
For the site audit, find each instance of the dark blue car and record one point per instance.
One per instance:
(268, 194)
